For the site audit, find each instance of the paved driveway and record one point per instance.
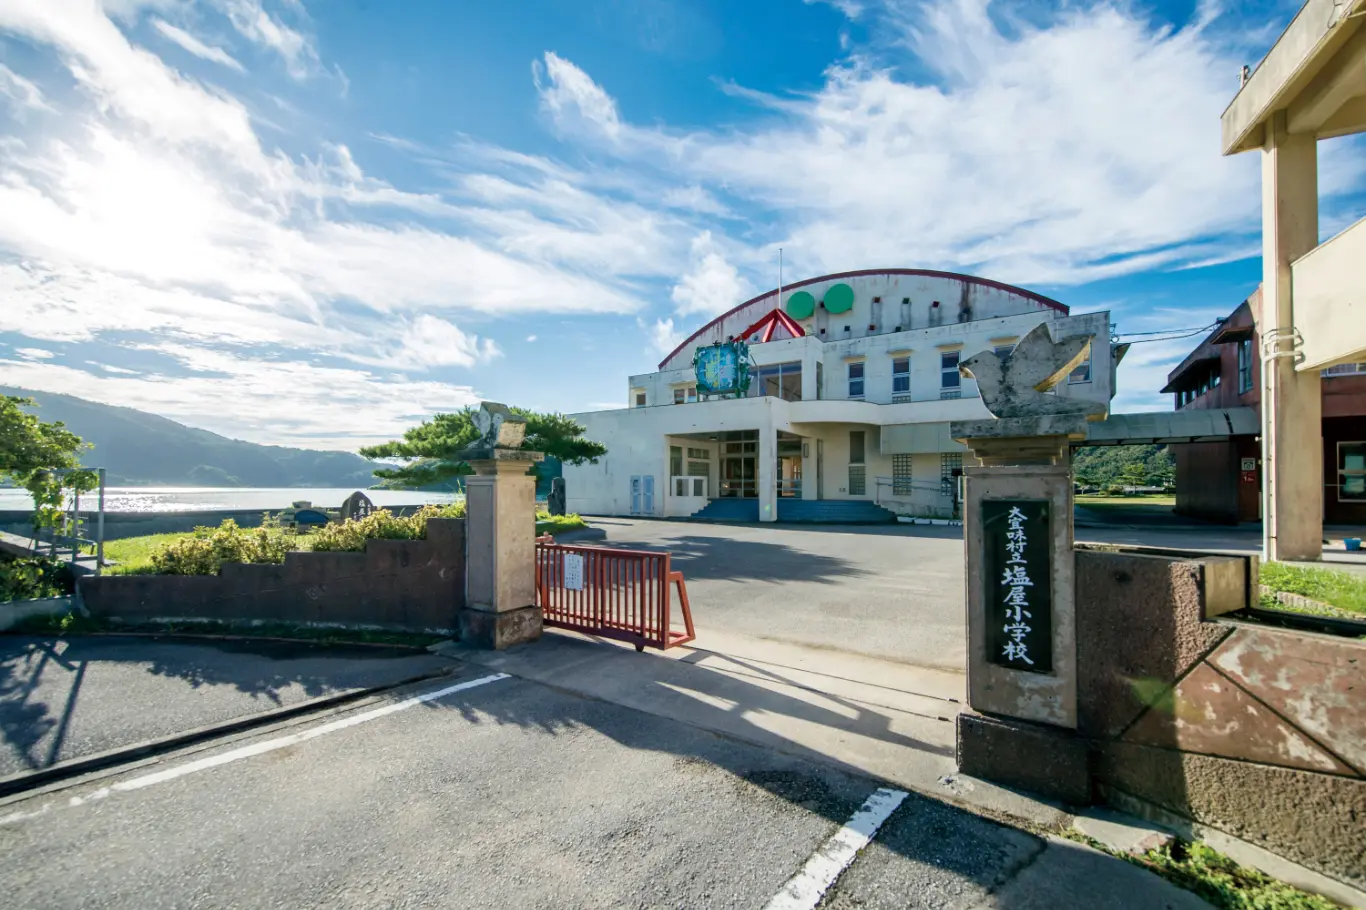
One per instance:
(894, 592)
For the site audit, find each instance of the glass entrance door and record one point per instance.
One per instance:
(739, 477)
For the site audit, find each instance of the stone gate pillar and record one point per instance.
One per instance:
(1021, 596)
(500, 535)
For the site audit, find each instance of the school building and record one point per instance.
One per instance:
(855, 382)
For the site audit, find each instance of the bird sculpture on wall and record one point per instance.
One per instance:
(1016, 385)
(498, 427)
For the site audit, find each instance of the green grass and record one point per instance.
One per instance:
(1220, 880)
(1091, 500)
(1225, 884)
(1343, 590)
(554, 524)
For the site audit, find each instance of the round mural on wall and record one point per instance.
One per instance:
(800, 305)
(839, 298)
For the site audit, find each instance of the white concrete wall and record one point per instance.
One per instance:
(957, 298)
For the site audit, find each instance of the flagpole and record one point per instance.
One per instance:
(780, 278)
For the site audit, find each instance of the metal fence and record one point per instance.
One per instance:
(624, 595)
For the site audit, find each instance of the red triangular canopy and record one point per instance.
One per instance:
(768, 323)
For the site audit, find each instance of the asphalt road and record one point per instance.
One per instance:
(888, 591)
(513, 795)
(894, 591)
(61, 698)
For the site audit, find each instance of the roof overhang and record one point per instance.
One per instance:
(1315, 73)
(1200, 355)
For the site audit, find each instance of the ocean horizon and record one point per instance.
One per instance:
(204, 499)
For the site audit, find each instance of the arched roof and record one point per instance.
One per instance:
(927, 273)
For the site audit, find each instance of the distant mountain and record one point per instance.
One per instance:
(137, 448)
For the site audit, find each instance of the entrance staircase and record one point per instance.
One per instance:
(804, 511)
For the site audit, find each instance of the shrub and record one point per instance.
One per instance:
(204, 551)
(350, 536)
(28, 578)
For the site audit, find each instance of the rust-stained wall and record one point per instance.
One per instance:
(1257, 731)
(413, 585)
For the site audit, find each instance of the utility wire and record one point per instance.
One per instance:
(1169, 335)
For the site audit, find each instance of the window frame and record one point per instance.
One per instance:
(903, 475)
(901, 378)
(1245, 380)
(1343, 472)
(860, 380)
(947, 371)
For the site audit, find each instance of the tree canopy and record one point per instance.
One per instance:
(431, 447)
(30, 449)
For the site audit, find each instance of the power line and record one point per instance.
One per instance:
(1169, 335)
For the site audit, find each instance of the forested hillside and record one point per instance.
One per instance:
(138, 448)
(1103, 466)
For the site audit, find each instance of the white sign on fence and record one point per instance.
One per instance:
(573, 571)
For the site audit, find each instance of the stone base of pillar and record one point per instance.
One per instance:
(496, 631)
(1049, 761)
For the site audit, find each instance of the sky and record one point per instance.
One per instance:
(317, 222)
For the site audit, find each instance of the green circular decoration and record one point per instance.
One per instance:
(801, 305)
(839, 298)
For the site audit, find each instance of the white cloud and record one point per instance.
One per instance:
(250, 18)
(431, 342)
(572, 98)
(22, 93)
(530, 338)
(850, 8)
(284, 403)
(663, 336)
(711, 285)
(194, 46)
(34, 353)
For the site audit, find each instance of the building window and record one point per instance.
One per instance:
(950, 468)
(680, 395)
(950, 383)
(1245, 366)
(699, 469)
(901, 376)
(778, 380)
(640, 399)
(702, 454)
(675, 461)
(856, 452)
(1344, 369)
(1083, 371)
(684, 394)
(901, 475)
(856, 379)
(1352, 472)
(1003, 350)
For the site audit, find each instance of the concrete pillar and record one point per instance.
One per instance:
(767, 472)
(808, 467)
(1292, 403)
(500, 556)
(809, 358)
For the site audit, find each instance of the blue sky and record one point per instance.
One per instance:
(315, 222)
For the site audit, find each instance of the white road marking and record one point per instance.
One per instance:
(804, 890)
(269, 745)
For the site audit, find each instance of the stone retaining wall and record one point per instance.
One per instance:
(402, 585)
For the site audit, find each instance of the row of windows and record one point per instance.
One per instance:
(950, 380)
(785, 380)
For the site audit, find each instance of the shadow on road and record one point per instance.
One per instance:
(60, 697)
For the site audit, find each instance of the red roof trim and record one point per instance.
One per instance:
(928, 273)
(769, 322)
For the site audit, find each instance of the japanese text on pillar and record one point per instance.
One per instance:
(1016, 578)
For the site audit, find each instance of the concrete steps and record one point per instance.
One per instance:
(807, 511)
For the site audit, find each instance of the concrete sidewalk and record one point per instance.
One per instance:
(888, 720)
(65, 698)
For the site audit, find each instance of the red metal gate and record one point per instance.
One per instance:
(620, 594)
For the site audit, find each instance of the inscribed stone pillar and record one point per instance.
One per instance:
(1021, 593)
(500, 533)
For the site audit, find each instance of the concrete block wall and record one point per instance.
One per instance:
(402, 585)
(1254, 730)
